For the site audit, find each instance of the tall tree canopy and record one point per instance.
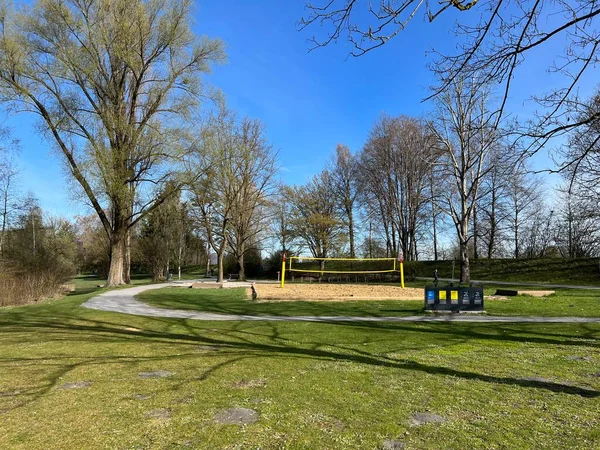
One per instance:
(111, 81)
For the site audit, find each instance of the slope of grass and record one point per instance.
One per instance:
(581, 271)
(334, 386)
(576, 303)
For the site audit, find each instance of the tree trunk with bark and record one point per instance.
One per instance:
(351, 232)
(127, 261)
(240, 260)
(220, 257)
(117, 260)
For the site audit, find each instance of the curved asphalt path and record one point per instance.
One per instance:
(123, 301)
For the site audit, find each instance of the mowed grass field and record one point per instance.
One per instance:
(565, 302)
(74, 378)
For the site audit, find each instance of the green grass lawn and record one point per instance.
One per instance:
(576, 303)
(314, 385)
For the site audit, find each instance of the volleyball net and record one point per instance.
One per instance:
(310, 265)
(341, 266)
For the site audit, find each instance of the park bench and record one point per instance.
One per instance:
(233, 276)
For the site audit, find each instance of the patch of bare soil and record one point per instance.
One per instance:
(335, 292)
(537, 293)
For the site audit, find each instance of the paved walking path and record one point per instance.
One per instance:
(515, 283)
(123, 301)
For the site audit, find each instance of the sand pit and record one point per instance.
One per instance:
(335, 292)
(537, 293)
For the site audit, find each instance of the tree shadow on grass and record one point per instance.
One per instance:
(234, 301)
(245, 340)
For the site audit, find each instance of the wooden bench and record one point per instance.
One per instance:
(233, 276)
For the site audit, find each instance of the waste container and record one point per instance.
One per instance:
(453, 298)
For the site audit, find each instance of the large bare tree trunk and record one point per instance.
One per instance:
(117, 260)
(465, 271)
(127, 261)
(475, 232)
(435, 244)
(516, 238)
(220, 257)
(207, 269)
(242, 272)
(493, 228)
(240, 260)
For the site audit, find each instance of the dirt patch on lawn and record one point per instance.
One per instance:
(537, 293)
(335, 292)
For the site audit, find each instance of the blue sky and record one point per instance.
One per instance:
(308, 102)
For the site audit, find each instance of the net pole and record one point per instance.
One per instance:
(401, 261)
(402, 274)
(283, 271)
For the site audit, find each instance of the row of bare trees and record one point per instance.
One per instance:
(231, 200)
(414, 179)
(485, 185)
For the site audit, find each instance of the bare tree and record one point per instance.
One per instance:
(466, 131)
(111, 82)
(254, 167)
(232, 197)
(395, 166)
(281, 227)
(388, 20)
(525, 203)
(214, 193)
(494, 37)
(8, 199)
(343, 172)
(578, 223)
(493, 203)
(315, 216)
(580, 156)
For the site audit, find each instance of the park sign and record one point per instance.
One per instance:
(453, 298)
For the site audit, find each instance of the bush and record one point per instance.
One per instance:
(39, 257)
(20, 288)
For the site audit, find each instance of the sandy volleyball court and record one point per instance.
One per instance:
(335, 292)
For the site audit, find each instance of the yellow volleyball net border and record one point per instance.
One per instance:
(397, 265)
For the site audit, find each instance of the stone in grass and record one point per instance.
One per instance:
(423, 418)
(393, 444)
(76, 385)
(236, 416)
(162, 413)
(141, 397)
(156, 374)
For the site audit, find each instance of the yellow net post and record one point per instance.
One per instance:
(283, 271)
(401, 261)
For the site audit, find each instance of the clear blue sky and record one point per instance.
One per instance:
(308, 102)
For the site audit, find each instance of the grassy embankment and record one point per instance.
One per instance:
(581, 271)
